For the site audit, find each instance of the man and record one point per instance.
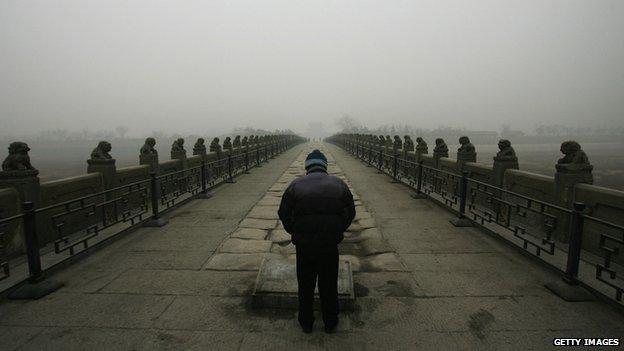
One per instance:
(316, 209)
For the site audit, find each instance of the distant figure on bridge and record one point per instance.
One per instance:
(316, 210)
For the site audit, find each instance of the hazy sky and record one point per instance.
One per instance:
(201, 66)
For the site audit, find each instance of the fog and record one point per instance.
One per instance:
(205, 67)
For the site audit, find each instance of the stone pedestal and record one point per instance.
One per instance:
(202, 153)
(26, 183)
(437, 156)
(180, 155)
(106, 167)
(151, 160)
(419, 153)
(499, 168)
(464, 157)
(276, 285)
(565, 179)
(410, 156)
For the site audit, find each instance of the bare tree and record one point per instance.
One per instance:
(349, 124)
(121, 131)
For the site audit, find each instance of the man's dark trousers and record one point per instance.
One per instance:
(321, 263)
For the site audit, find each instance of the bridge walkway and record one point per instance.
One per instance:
(422, 283)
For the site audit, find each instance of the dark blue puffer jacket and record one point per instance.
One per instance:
(316, 209)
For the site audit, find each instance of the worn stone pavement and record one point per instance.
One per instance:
(188, 285)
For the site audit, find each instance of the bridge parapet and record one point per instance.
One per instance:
(572, 225)
(68, 217)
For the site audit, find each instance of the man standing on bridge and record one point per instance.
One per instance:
(316, 209)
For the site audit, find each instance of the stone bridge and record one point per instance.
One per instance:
(430, 264)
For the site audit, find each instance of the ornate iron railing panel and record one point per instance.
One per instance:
(6, 225)
(75, 222)
(442, 183)
(532, 221)
(611, 243)
(175, 185)
(534, 225)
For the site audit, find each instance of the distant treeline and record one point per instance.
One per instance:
(121, 133)
(542, 134)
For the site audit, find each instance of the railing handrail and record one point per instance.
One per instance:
(86, 197)
(11, 218)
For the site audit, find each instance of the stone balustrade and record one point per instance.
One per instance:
(571, 183)
(19, 181)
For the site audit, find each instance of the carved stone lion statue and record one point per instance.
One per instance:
(178, 145)
(102, 151)
(506, 152)
(214, 145)
(574, 158)
(398, 143)
(237, 141)
(199, 148)
(382, 140)
(227, 143)
(421, 146)
(388, 141)
(440, 149)
(408, 144)
(245, 141)
(148, 147)
(466, 146)
(18, 159)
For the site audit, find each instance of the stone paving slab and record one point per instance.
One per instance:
(264, 212)
(258, 223)
(94, 310)
(356, 237)
(235, 262)
(224, 313)
(121, 260)
(182, 282)
(85, 280)
(132, 339)
(276, 285)
(14, 337)
(250, 233)
(270, 200)
(234, 245)
(279, 236)
(383, 284)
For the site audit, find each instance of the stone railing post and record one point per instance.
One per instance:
(102, 162)
(421, 148)
(440, 150)
(36, 286)
(505, 159)
(179, 153)
(200, 149)
(148, 155)
(465, 153)
(572, 169)
(19, 174)
(106, 168)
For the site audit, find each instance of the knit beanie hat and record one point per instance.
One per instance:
(315, 159)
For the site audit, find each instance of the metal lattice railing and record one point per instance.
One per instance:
(79, 224)
(532, 224)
